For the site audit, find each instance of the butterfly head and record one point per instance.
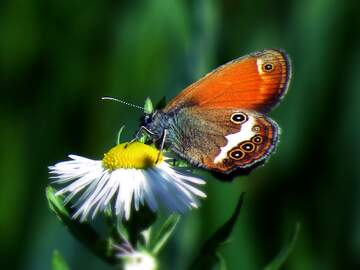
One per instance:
(146, 119)
(156, 122)
(155, 119)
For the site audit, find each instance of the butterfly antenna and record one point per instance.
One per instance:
(123, 102)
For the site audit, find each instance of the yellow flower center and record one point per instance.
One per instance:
(134, 155)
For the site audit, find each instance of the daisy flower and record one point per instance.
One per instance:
(129, 174)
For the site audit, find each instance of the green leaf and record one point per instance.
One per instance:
(148, 107)
(81, 231)
(56, 204)
(182, 164)
(280, 259)
(143, 138)
(164, 233)
(209, 256)
(58, 262)
(140, 221)
(147, 237)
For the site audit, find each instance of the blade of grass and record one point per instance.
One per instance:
(284, 253)
(208, 256)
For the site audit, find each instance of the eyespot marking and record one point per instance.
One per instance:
(257, 139)
(227, 162)
(256, 128)
(233, 140)
(238, 118)
(247, 147)
(236, 154)
(267, 67)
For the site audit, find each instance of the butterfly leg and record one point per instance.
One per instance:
(163, 137)
(141, 130)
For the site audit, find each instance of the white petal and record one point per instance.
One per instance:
(92, 187)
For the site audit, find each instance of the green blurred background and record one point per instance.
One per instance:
(59, 57)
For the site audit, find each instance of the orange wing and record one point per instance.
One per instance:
(255, 82)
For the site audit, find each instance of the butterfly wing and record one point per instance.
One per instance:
(219, 122)
(254, 82)
(223, 139)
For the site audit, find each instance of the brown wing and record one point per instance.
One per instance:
(253, 82)
(223, 139)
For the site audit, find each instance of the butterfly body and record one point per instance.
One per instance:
(220, 122)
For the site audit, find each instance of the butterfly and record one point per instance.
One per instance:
(220, 122)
